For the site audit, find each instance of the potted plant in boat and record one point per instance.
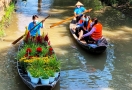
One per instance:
(44, 78)
(51, 75)
(38, 59)
(57, 70)
(54, 65)
(34, 74)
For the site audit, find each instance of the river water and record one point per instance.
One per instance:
(79, 70)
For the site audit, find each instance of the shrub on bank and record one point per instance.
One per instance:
(6, 18)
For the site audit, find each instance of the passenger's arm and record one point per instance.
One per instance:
(89, 33)
(82, 24)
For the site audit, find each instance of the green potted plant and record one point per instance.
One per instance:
(44, 78)
(57, 70)
(21, 53)
(55, 64)
(35, 74)
(51, 75)
(44, 75)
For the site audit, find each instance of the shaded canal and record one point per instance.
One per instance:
(80, 70)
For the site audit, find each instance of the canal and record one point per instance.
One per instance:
(79, 70)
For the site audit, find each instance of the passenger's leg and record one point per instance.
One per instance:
(86, 39)
(74, 21)
(79, 17)
(77, 31)
(80, 34)
(91, 40)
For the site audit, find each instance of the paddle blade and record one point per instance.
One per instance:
(58, 23)
(18, 39)
(55, 24)
(89, 10)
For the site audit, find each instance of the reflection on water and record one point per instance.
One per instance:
(10, 79)
(87, 74)
(25, 11)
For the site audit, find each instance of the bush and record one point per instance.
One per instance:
(6, 18)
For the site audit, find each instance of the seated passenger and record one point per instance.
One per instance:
(85, 27)
(95, 32)
(79, 25)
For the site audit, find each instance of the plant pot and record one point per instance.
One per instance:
(34, 80)
(28, 73)
(56, 74)
(44, 81)
(51, 79)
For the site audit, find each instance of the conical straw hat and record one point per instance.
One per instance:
(79, 3)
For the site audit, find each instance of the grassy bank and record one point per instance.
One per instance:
(6, 19)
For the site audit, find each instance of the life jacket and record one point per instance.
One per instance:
(80, 21)
(97, 34)
(88, 25)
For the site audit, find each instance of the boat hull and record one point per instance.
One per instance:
(96, 48)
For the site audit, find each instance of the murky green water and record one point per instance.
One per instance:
(80, 70)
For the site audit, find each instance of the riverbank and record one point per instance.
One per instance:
(127, 11)
(6, 19)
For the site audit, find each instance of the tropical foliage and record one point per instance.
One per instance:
(118, 2)
(6, 18)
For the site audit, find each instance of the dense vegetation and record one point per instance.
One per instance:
(117, 2)
(6, 18)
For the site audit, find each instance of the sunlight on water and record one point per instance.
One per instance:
(87, 77)
(25, 11)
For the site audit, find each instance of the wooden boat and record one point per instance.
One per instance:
(96, 48)
(27, 80)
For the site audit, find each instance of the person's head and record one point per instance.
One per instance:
(78, 4)
(35, 18)
(85, 18)
(94, 21)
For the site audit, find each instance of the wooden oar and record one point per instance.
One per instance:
(18, 39)
(55, 24)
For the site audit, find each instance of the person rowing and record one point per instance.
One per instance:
(78, 11)
(32, 24)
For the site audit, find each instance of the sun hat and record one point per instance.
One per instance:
(79, 4)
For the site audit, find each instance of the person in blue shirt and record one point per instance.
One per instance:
(36, 30)
(78, 11)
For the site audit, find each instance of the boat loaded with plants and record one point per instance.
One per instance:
(37, 63)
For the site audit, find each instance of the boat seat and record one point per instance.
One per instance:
(102, 42)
